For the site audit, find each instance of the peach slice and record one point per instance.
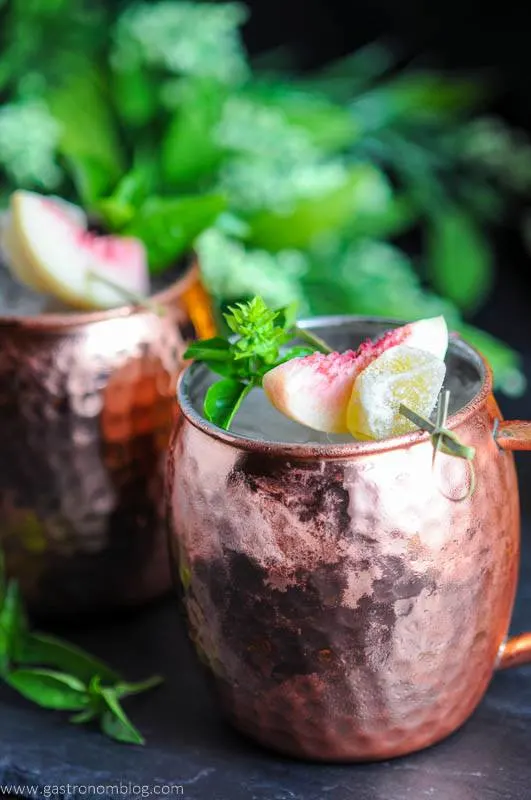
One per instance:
(50, 249)
(316, 390)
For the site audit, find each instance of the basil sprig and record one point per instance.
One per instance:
(260, 333)
(57, 675)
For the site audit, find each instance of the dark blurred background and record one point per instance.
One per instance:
(458, 35)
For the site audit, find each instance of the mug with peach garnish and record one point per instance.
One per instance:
(87, 401)
(348, 557)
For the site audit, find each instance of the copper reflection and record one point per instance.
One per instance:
(87, 402)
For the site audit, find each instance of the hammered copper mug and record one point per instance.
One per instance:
(87, 403)
(350, 601)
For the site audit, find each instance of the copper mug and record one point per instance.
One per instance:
(349, 601)
(87, 403)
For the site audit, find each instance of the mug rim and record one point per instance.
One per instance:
(63, 320)
(335, 451)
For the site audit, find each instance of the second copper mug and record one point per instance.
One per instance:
(87, 403)
(350, 602)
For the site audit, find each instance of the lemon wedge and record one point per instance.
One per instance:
(401, 375)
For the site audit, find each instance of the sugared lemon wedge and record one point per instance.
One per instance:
(401, 375)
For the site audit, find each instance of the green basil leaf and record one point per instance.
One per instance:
(45, 650)
(223, 400)
(115, 723)
(119, 209)
(169, 226)
(190, 150)
(89, 138)
(227, 369)
(90, 176)
(460, 258)
(300, 351)
(135, 95)
(49, 689)
(84, 716)
(215, 349)
(365, 191)
(349, 75)
(13, 627)
(413, 98)
(128, 689)
(287, 316)
(329, 126)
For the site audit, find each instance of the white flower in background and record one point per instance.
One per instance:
(29, 137)
(258, 130)
(256, 184)
(190, 38)
(233, 272)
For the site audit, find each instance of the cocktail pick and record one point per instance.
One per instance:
(443, 439)
(129, 297)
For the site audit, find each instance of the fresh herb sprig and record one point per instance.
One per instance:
(260, 333)
(57, 675)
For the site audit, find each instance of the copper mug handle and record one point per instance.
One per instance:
(511, 436)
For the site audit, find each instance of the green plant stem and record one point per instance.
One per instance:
(314, 340)
(237, 405)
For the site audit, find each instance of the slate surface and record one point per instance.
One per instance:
(190, 746)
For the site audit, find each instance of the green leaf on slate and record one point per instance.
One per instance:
(115, 722)
(13, 627)
(49, 689)
(460, 259)
(46, 650)
(223, 400)
(129, 689)
(169, 226)
(84, 716)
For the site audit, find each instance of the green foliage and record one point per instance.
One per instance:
(460, 259)
(200, 39)
(167, 225)
(190, 150)
(88, 136)
(57, 675)
(293, 188)
(29, 138)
